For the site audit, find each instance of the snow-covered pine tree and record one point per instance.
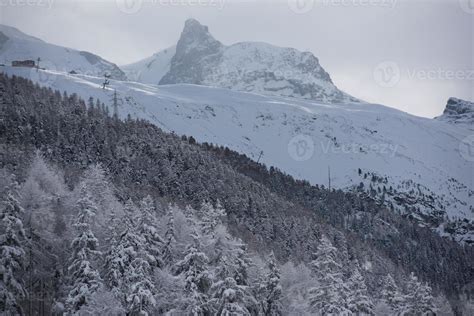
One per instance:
(242, 263)
(211, 217)
(102, 193)
(194, 269)
(12, 256)
(85, 279)
(228, 255)
(118, 255)
(139, 297)
(270, 290)
(100, 189)
(128, 272)
(41, 193)
(130, 210)
(103, 302)
(147, 227)
(128, 263)
(359, 301)
(296, 281)
(170, 240)
(230, 261)
(229, 298)
(330, 295)
(419, 298)
(391, 294)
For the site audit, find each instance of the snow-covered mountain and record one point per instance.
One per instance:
(200, 59)
(151, 69)
(16, 45)
(411, 164)
(458, 111)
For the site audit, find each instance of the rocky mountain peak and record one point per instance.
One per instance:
(247, 66)
(195, 37)
(195, 43)
(458, 111)
(193, 25)
(458, 106)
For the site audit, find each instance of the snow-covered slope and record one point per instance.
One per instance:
(151, 69)
(15, 45)
(200, 59)
(458, 111)
(410, 162)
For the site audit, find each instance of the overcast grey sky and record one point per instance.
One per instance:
(411, 55)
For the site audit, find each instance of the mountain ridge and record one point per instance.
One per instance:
(246, 66)
(16, 45)
(458, 111)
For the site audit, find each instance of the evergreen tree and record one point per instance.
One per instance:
(391, 294)
(170, 240)
(115, 263)
(41, 192)
(242, 263)
(194, 269)
(98, 184)
(128, 271)
(229, 256)
(103, 302)
(330, 294)
(359, 301)
(121, 251)
(211, 217)
(146, 222)
(128, 263)
(419, 299)
(271, 290)
(85, 278)
(229, 298)
(12, 258)
(139, 297)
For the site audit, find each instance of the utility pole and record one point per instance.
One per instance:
(115, 104)
(329, 177)
(260, 156)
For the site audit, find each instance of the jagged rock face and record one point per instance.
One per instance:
(250, 67)
(458, 111)
(196, 51)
